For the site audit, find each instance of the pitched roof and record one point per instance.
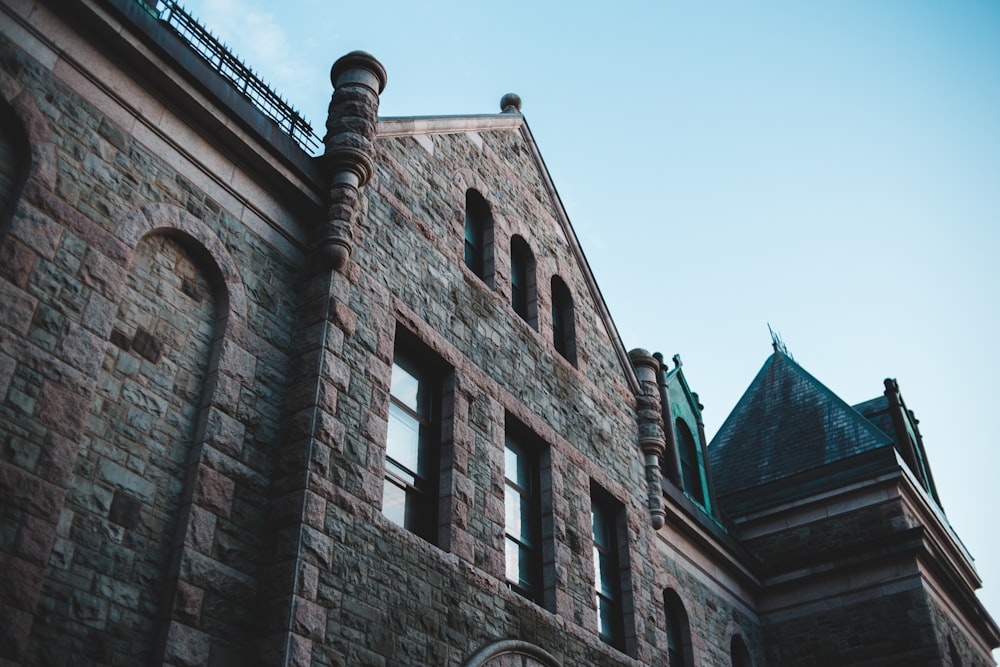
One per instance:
(420, 126)
(786, 423)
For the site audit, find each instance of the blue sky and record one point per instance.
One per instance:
(832, 169)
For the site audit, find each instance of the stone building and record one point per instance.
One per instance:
(370, 408)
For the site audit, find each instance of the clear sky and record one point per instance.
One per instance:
(830, 168)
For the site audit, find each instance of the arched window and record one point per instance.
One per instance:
(678, 631)
(956, 659)
(522, 281)
(690, 468)
(739, 654)
(15, 162)
(478, 236)
(563, 321)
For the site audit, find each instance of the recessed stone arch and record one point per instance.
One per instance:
(175, 221)
(34, 128)
(511, 653)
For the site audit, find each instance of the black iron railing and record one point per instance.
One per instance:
(239, 76)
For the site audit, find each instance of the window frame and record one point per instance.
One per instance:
(678, 630)
(691, 464)
(478, 237)
(612, 572)
(530, 582)
(523, 285)
(563, 320)
(421, 493)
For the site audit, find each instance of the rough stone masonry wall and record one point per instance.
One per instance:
(950, 634)
(714, 617)
(392, 597)
(838, 535)
(894, 629)
(143, 346)
(886, 619)
(395, 598)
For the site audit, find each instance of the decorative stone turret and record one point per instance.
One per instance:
(358, 79)
(651, 437)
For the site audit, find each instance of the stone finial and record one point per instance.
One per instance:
(349, 157)
(510, 103)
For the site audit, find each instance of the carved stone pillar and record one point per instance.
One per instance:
(349, 157)
(651, 438)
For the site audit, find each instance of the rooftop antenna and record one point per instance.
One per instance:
(777, 343)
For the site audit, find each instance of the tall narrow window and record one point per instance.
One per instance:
(522, 501)
(678, 631)
(609, 571)
(563, 325)
(522, 280)
(956, 659)
(690, 468)
(412, 459)
(15, 162)
(478, 235)
(739, 653)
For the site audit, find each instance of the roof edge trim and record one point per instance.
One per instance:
(416, 125)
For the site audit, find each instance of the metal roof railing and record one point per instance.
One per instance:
(239, 75)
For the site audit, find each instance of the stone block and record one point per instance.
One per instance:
(30, 493)
(124, 510)
(15, 627)
(214, 491)
(211, 575)
(81, 349)
(237, 362)
(200, 529)
(20, 582)
(309, 619)
(16, 261)
(18, 308)
(187, 646)
(62, 408)
(34, 540)
(36, 230)
(187, 603)
(121, 478)
(224, 433)
(101, 274)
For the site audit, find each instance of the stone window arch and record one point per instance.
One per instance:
(511, 653)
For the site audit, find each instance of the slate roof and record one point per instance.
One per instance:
(787, 423)
(877, 412)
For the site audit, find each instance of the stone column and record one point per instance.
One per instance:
(358, 79)
(651, 438)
